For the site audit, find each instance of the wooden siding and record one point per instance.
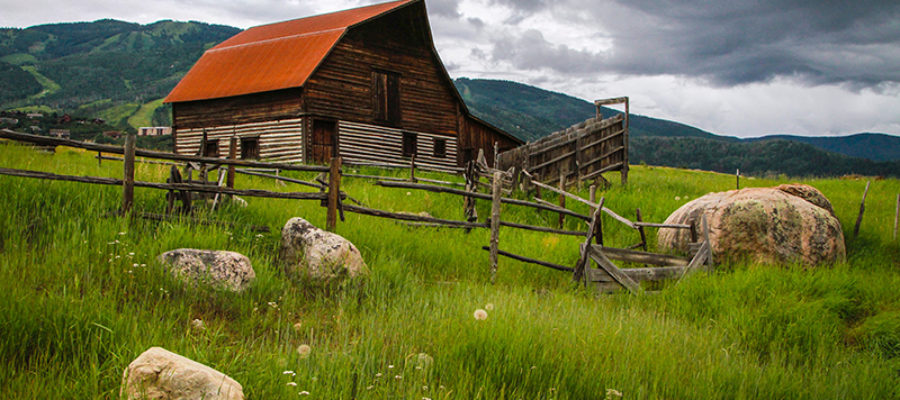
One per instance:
(279, 140)
(478, 135)
(372, 143)
(279, 104)
(343, 86)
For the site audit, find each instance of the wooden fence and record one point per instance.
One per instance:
(582, 152)
(329, 194)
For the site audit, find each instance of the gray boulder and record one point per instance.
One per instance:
(318, 254)
(159, 374)
(224, 269)
(786, 224)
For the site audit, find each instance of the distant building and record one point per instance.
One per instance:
(60, 133)
(65, 119)
(35, 115)
(35, 129)
(154, 131)
(112, 134)
(9, 121)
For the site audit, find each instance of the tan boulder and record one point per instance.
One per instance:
(224, 269)
(159, 374)
(790, 223)
(312, 252)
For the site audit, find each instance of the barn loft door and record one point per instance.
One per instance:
(323, 141)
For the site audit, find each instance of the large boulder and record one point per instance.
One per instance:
(159, 374)
(318, 254)
(223, 269)
(790, 223)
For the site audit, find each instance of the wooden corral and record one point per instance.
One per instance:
(364, 84)
(581, 152)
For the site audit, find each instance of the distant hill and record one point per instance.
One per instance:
(873, 146)
(531, 113)
(109, 69)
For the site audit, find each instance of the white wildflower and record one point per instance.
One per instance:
(304, 393)
(677, 198)
(289, 372)
(489, 306)
(121, 233)
(480, 314)
(298, 326)
(378, 375)
(613, 394)
(198, 324)
(391, 366)
(292, 383)
(303, 350)
(423, 360)
(398, 377)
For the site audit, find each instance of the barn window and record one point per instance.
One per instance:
(409, 144)
(250, 148)
(212, 148)
(440, 148)
(387, 96)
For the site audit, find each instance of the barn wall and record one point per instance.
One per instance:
(372, 143)
(478, 135)
(342, 87)
(279, 104)
(279, 140)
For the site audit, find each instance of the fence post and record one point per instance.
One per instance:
(641, 229)
(625, 143)
(232, 154)
(496, 187)
(737, 177)
(562, 199)
(128, 180)
(593, 196)
(897, 216)
(99, 158)
(471, 186)
(412, 168)
(862, 208)
(496, 155)
(334, 193)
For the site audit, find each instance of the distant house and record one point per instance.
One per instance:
(154, 131)
(8, 121)
(35, 129)
(366, 84)
(35, 115)
(112, 134)
(64, 119)
(60, 133)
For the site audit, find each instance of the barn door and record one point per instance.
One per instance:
(323, 141)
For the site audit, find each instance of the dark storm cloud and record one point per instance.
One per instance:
(724, 42)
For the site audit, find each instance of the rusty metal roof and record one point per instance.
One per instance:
(270, 57)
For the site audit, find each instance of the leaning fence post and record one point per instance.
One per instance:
(562, 199)
(897, 216)
(862, 208)
(232, 154)
(638, 218)
(334, 192)
(496, 185)
(128, 181)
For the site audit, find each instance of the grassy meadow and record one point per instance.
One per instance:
(82, 295)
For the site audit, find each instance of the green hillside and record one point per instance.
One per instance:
(873, 146)
(124, 67)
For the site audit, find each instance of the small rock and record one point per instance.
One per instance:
(318, 254)
(225, 269)
(162, 375)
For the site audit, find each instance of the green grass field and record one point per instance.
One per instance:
(81, 295)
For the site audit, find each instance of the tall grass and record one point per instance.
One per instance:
(81, 295)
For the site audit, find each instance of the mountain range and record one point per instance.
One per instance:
(120, 72)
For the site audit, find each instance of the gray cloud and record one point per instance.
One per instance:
(728, 42)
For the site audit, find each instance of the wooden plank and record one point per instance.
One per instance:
(483, 196)
(128, 182)
(5, 133)
(541, 229)
(410, 217)
(609, 212)
(530, 260)
(163, 186)
(611, 167)
(701, 257)
(862, 209)
(654, 274)
(642, 257)
(496, 184)
(709, 249)
(640, 228)
(279, 178)
(655, 225)
(582, 264)
(562, 199)
(334, 190)
(615, 100)
(613, 271)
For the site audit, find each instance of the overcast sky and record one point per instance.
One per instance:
(741, 68)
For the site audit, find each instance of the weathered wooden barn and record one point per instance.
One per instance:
(366, 84)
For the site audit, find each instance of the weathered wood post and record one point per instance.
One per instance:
(737, 177)
(562, 199)
(579, 274)
(625, 136)
(232, 155)
(412, 168)
(862, 208)
(471, 176)
(593, 195)
(334, 193)
(897, 216)
(641, 229)
(496, 187)
(128, 180)
(99, 158)
(496, 155)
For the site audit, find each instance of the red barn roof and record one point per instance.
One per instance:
(271, 57)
